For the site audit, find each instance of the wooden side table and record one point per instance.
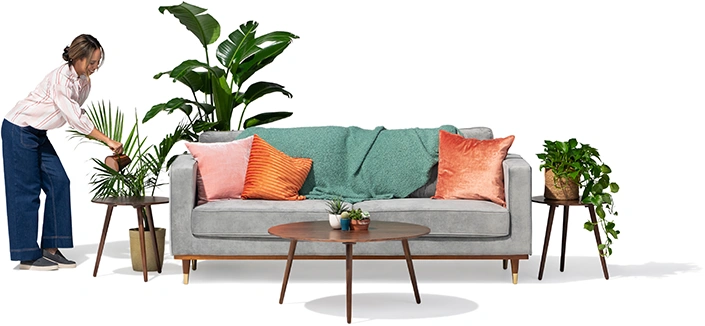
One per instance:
(566, 205)
(138, 203)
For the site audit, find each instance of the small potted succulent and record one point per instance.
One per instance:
(359, 219)
(335, 208)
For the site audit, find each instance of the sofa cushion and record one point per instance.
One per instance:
(273, 175)
(448, 218)
(470, 168)
(221, 168)
(429, 189)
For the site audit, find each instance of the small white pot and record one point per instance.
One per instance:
(334, 221)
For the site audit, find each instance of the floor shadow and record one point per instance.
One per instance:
(396, 306)
(86, 254)
(427, 271)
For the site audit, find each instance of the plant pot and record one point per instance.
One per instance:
(334, 221)
(561, 188)
(136, 253)
(357, 225)
(345, 224)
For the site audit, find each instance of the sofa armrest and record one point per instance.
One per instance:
(517, 192)
(182, 200)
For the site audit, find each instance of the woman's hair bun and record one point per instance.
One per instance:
(66, 54)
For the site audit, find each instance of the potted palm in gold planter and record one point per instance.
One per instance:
(137, 173)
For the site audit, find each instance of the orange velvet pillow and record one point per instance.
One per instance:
(273, 175)
(470, 168)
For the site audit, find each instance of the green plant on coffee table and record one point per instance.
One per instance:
(336, 206)
(359, 214)
(583, 165)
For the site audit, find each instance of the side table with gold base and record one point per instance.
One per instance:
(553, 204)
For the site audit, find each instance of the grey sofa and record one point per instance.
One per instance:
(460, 229)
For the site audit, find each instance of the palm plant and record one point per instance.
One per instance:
(241, 55)
(141, 176)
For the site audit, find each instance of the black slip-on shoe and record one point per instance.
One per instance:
(59, 259)
(41, 264)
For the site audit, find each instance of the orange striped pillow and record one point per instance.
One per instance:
(273, 175)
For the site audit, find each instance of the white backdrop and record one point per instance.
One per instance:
(623, 76)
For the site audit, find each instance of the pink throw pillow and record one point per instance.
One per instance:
(221, 168)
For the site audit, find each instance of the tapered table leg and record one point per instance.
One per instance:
(150, 222)
(565, 235)
(410, 265)
(596, 229)
(547, 237)
(348, 280)
(289, 261)
(108, 214)
(140, 223)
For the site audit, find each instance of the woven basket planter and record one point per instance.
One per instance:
(561, 188)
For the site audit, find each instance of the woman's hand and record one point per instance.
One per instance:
(115, 146)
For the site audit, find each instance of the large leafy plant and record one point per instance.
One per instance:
(218, 90)
(582, 163)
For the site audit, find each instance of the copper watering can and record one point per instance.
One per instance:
(117, 162)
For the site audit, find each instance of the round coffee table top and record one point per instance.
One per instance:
(321, 231)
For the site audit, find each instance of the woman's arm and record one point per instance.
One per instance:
(114, 145)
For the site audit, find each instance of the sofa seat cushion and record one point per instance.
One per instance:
(449, 218)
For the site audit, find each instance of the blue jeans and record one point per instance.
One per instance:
(31, 166)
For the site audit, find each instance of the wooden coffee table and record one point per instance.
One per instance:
(321, 231)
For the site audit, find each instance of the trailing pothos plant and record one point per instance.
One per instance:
(218, 90)
(582, 163)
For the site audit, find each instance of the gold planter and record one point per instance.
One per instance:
(561, 188)
(136, 253)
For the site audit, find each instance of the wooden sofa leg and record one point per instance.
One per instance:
(194, 264)
(515, 270)
(185, 266)
(504, 263)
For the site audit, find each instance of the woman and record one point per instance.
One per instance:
(31, 164)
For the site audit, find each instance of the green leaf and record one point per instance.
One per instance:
(223, 100)
(203, 26)
(186, 67)
(237, 46)
(169, 107)
(257, 61)
(264, 118)
(589, 226)
(614, 188)
(600, 211)
(605, 169)
(260, 89)
(613, 233)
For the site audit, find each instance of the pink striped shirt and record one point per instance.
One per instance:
(54, 102)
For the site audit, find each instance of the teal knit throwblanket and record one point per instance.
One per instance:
(358, 164)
